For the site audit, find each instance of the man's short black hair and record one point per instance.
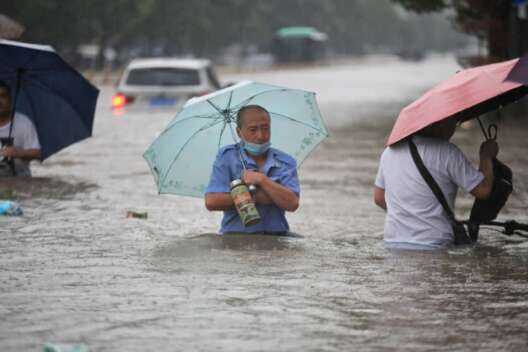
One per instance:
(6, 86)
(240, 113)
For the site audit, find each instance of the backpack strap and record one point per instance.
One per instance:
(430, 180)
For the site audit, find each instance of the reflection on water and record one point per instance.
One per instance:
(23, 188)
(75, 269)
(197, 245)
(213, 250)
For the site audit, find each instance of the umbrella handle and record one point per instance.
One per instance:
(20, 72)
(491, 133)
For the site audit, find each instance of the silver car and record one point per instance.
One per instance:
(164, 82)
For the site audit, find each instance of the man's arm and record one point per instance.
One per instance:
(224, 201)
(217, 196)
(488, 150)
(379, 197)
(24, 154)
(283, 197)
(218, 201)
(262, 197)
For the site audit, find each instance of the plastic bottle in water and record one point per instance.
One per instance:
(10, 208)
(60, 347)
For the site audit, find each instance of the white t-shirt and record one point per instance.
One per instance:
(24, 137)
(414, 215)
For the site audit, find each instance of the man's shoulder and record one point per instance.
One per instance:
(432, 141)
(438, 145)
(22, 119)
(444, 153)
(448, 149)
(284, 157)
(394, 151)
(22, 116)
(227, 151)
(226, 148)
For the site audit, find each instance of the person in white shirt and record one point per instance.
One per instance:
(415, 218)
(25, 143)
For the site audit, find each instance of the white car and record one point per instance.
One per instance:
(161, 82)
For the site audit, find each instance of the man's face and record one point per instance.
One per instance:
(255, 127)
(5, 102)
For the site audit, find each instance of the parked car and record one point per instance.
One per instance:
(162, 82)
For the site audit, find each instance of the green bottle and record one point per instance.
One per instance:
(244, 203)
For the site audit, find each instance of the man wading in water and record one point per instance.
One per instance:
(415, 218)
(272, 171)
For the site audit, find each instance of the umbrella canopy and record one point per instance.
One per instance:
(60, 101)
(181, 158)
(467, 94)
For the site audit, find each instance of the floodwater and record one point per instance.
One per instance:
(74, 269)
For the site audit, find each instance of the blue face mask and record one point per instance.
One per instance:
(255, 149)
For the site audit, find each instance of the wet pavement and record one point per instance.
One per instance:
(75, 269)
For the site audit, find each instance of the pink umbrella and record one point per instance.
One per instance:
(467, 94)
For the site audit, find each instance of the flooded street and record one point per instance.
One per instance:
(75, 269)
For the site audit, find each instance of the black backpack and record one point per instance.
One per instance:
(487, 209)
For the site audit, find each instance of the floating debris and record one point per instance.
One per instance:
(137, 215)
(52, 347)
(10, 208)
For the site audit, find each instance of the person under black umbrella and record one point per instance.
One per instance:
(57, 99)
(18, 138)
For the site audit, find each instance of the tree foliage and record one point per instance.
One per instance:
(486, 19)
(206, 27)
(423, 5)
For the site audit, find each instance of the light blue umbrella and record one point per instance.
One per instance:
(181, 158)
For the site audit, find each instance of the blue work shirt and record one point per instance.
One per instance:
(279, 167)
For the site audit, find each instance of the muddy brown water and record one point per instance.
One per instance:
(75, 269)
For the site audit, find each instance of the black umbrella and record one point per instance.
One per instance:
(58, 99)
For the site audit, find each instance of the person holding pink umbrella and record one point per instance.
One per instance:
(415, 218)
(420, 171)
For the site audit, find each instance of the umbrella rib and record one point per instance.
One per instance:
(222, 113)
(208, 116)
(244, 102)
(208, 125)
(211, 116)
(221, 134)
(32, 106)
(297, 121)
(229, 102)
(214, 106)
